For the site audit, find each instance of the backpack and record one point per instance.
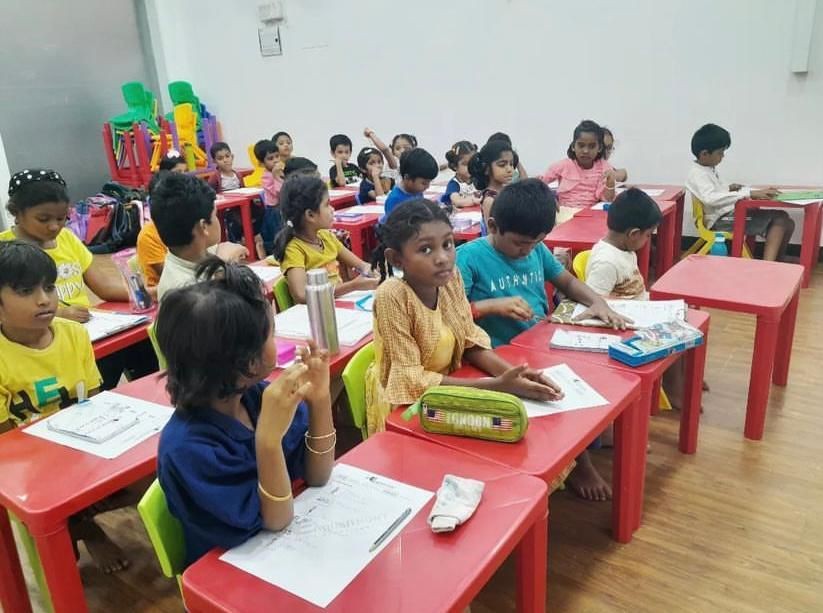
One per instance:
(110, 220)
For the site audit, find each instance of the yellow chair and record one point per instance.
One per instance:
(706, 237)
(165, 532)
(255, 179)
(581, 260)
(354, 380)
(161, 359)
(281, 295)
(34, 561)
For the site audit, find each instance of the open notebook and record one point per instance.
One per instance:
(352, 326)
(107, 323)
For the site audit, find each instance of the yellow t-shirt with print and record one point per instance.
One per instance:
(300, 254)
(37, 382)
(73, 259)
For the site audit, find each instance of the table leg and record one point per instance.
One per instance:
(654, 405)
(692, 395)
(531, 558)
(358, 240)
(678, 225)
(810, 241)
(785, 338)
(817, 233)
(643, 257)
(666, 247)
(629, 467)
(765, 347)
(60, 568)
(739, 231)
(248, 229)
(13, 593)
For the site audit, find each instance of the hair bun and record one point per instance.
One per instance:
(236, 278)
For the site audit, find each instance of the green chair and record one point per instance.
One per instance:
(161, 359)
(182, 92)
(165, 532)
(34, 561)
(354, 379)
(141, 107)
(281, 295)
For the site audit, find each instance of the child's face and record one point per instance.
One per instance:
(224, 160)
(342, 153)
(284, 146)
(323, 217)
(270, 160)
(180, 168)
(427, 259)
(400, 146)
(608, 145)
(462, 172)
(711, 158)
(208, 232)
(418, 185)
(43, 222)
(28, 309)
(586, 148)
(513, 245)
(374, 165)
(637, 238)
(502, 169)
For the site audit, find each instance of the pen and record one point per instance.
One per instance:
(390, 529)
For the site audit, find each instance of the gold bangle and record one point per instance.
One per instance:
(330, 449)
(271, 496)
(329, 435)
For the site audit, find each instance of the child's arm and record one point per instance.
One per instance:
(379, 144)
(378, 185)
(322, 436)
(621, 175)
(582, 293)
(108, 287)
(461, 201)
(339, 177)
(518, 380)
(296, 279)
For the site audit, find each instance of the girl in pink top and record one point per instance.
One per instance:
(585, 178)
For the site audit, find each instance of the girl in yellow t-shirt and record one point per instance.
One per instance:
(306, 241)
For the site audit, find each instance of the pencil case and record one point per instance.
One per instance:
(467, 411)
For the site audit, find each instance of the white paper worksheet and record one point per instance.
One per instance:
(577, 394)
(644, 313)
(107, 323)
(377, 209)
(352, 326)
(91, 422)
(333, 534)
(266, 274)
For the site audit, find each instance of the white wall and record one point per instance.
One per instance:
(5, 175)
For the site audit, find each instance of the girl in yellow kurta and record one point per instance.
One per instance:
(423, 328)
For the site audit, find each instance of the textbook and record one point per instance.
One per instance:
(813, 195)
(643, 313)
(656, 342)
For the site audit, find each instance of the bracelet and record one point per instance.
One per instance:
(474, 311)
(272, 497)
(329, 435)
(314, 451)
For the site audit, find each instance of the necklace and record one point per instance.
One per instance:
(315, 243)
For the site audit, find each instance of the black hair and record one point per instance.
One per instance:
(298, 165)
(156, 178)
(32, 194)
(527, 207)
(217, 148)
(365, 154)
(500, 136)
(607, 131)
(212, 333)
(170, 160)
(402, 224)
(178, 203)
(587, 125)
(633, 208)
(710, 137)
(418, 163)
(409, 137)
(458, 150)
(279, 134)
(339, 139)
(299, 194)
(264, 147)
(25, 266)
(481, 162)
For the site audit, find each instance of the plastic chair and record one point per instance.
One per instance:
(141, 107)
(34, 561)
(354, 380)
(581, 260)
(706, 236)
(182, 92)
(165, 532)
(255, 179)
(282, 296)
(161, 359)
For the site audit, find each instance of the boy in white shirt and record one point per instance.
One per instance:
(612, 269)
(709, 145)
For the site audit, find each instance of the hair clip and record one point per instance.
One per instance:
(173, 153)
(290, 224)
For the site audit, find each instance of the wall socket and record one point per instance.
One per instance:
(270, 41)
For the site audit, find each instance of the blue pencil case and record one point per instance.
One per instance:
(656, 342)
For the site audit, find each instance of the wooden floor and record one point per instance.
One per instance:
(736, 527)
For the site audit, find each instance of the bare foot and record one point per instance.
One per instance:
(706, 387)
(107, 556)
(607, 437)
(586, 482)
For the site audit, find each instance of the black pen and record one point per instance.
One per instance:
(390, 529)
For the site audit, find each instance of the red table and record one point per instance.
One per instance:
(43, 484)
(361, 228)
(537, 338)
(677, 195)
(340, 200)
(553, 441)
(812, 223)
(126, 338)
(243, 202)
(769, 290)
(419, 570)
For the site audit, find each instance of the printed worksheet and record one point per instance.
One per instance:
(643, 313)
(352, 325)
(107, 323)
(578, 394)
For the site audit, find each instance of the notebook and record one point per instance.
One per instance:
(352, 326)
(583, 341)
(107, 323)
(643, 313)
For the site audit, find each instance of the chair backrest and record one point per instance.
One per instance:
(181, 91)
(255, 179)
(134, 93)
(581, 260)
(354, 379)
(282, 296)
(165, 532)
(161, 359)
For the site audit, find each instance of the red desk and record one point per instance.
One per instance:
(810, 243)
(538, 337)
(363, 238)
(677, 195)
(126, 338)
(242, 202)
(555, 440)
(340, 200)
(43, 484)
(419, 570)
(769, 290)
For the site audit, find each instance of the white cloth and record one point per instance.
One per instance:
(178, 272)
(229, 182)
(704, 184)
(457, 499)
(613, 272)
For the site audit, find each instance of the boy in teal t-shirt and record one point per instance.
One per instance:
(504, 274)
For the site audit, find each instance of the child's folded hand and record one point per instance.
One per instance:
(280, 400)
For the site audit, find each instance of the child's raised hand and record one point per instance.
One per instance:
(280, 400)
(74, 313)
(515, 382)
(317, 374)
(368, 132)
